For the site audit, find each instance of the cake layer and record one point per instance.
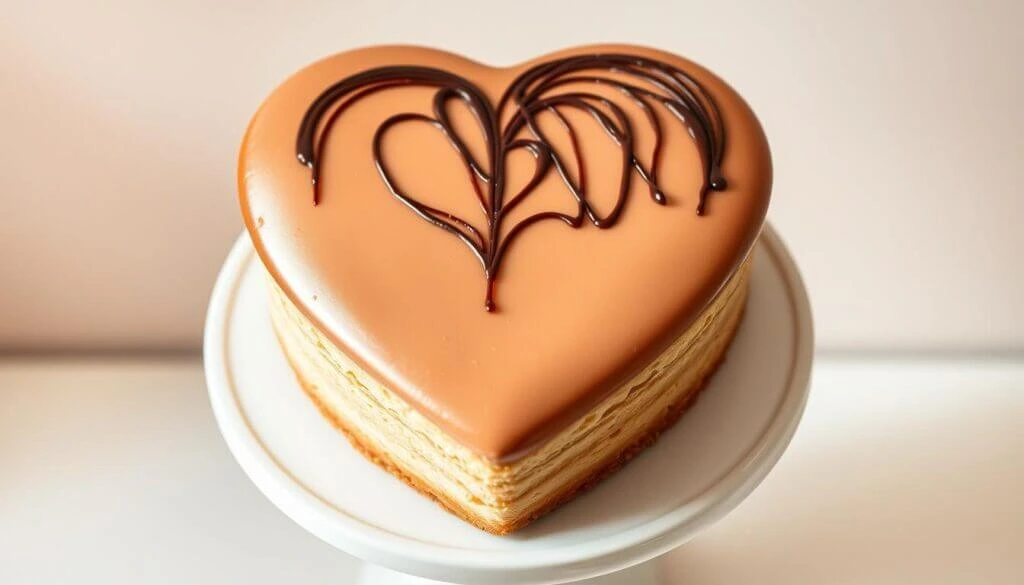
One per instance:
(501, 496)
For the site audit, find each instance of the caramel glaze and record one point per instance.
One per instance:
(581, 310)
(531, 94)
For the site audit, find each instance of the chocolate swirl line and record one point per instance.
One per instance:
(648, 83)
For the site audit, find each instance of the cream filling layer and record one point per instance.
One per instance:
(494, 494)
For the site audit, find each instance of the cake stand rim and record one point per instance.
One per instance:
(570, 562)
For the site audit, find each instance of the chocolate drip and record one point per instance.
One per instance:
(646, 82)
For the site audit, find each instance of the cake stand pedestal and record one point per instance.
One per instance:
(696, 473)
(648, 573)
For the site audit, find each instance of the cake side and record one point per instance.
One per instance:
(502, 496)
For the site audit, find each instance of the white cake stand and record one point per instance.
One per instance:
(697, 472)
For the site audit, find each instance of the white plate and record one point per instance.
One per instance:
(703, 467)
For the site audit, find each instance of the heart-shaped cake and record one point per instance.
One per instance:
(501, 283)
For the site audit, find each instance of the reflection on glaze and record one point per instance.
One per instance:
(547, 88)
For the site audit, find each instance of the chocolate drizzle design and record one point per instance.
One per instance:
(512, 125)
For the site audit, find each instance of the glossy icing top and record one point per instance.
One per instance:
(579, 309)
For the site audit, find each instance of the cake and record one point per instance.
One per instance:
(501, 284)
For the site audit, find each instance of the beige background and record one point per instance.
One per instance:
(897, 131)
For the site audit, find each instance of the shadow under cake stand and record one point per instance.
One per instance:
(698, 471)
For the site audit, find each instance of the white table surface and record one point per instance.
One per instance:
(112, 471)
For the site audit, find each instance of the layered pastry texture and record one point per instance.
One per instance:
(502, 497)
(501, 283)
